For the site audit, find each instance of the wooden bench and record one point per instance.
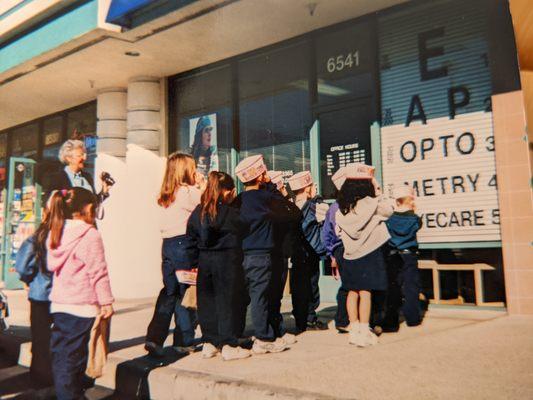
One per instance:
(477, 268)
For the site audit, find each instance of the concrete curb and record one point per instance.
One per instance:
(145, 377)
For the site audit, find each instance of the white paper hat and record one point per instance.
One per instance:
(339, 177)
(276, 177)
(300, 180)
(403, 191)
(250, 168)
(359, 171)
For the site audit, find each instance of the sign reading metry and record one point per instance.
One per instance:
(437, 132)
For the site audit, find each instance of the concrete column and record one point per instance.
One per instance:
(144, 106)
(111, 126)
(133, 227)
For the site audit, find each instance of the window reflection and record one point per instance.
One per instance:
(274, 108)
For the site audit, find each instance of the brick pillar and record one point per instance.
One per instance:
(515, 198)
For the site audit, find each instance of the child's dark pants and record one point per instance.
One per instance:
(403, 280)
(258, 272)
(220, 288)
(69, 348)
(41, 327)
(169, 300)
(277, 286)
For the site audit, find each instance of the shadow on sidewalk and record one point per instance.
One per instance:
(123, 344)
(131, 379)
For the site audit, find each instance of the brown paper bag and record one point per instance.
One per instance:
(98, 348)
(189, 298)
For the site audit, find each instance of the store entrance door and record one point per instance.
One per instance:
(343, 137)
(22, 215)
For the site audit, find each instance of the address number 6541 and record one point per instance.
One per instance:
(343, 61)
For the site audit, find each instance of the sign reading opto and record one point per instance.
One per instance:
(450, 163)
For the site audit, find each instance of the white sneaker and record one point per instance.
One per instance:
(209, 351)
(234, 353)
(262, 347)
(289, 338)
(368, 338)
(355, 336)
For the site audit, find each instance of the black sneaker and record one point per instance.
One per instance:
(154, 349)
(343, 329)
(317, 325)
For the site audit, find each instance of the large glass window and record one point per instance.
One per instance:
(52, 140)
(345, 61)
(274, 107)
(204, 124)
(81, 124)
(25, 141)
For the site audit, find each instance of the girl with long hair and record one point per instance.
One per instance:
(360, 222)
(180, 194)
(217, 229)
(81, 290)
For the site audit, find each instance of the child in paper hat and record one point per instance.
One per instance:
(306, 261)
(261, 206)
(403, 226)
(360, 225)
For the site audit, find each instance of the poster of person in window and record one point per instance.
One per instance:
(203, 136)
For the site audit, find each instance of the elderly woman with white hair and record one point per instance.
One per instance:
(73, 155)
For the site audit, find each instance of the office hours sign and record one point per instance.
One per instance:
(437, 132)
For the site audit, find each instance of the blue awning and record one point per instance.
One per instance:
(120, 10)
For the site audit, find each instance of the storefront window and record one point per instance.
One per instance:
(81, 124)
(204, 125)
(345, 63)
(274, 108)
(52, 140)
(25, 141)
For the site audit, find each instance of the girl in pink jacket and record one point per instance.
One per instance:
(80, 290)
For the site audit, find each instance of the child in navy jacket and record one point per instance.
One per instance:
(403, 226)
(261, 206)
(305, 271)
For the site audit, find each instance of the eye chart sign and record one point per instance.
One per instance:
(437, 132)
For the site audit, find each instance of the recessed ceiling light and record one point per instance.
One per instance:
(132, 53)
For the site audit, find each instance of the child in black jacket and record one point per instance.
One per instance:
(217, 229)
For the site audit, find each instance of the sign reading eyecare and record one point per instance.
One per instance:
(437, 132)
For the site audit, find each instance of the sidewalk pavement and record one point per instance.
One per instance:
(456, 353)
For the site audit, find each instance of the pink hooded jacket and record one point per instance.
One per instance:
(79, 267)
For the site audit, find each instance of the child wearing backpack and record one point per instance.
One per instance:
(361, 227)
(81, 290)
